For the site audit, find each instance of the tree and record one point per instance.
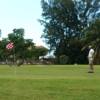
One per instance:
(17, 37)
(93, 38)
(29, 50)
(24, 49)
(40, 51)
(3, 52)
(65, 21)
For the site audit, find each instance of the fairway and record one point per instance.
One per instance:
(49, 82)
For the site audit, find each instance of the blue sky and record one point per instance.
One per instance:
(21, 14)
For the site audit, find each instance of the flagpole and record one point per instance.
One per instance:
(14, 58)
(14, 54)
(10, 47)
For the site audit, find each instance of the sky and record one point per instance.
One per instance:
(22, 14)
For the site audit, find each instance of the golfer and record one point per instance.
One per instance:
(91, 59)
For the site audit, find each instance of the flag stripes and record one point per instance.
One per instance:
(10, 45)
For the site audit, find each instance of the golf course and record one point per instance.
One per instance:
(49, 82)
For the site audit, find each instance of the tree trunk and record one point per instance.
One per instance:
(97, 60)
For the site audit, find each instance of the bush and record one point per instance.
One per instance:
(63, 59)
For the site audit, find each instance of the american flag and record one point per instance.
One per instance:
(10, 45)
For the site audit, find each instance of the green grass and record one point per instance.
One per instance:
(49, 82)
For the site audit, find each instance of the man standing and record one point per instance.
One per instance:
(91, 59)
